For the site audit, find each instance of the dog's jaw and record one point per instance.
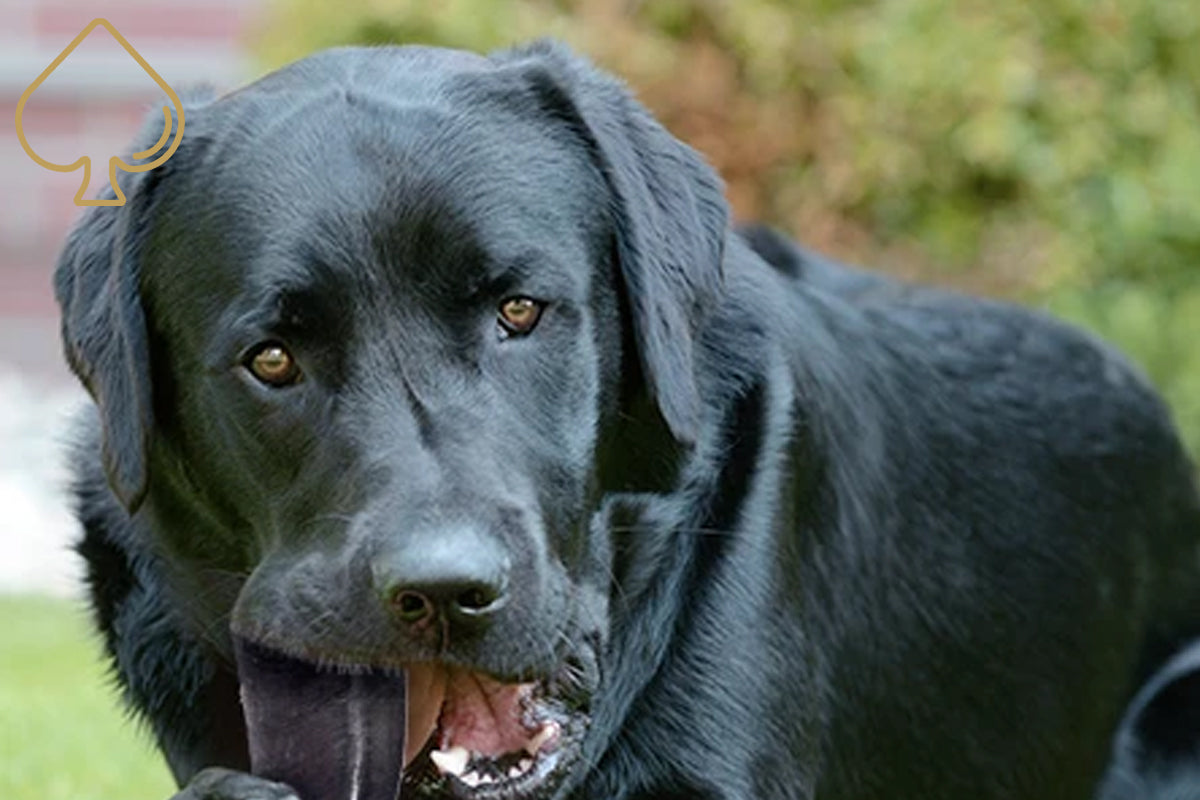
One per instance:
(453, 732)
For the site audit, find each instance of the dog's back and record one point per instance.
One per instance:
(1100, 530)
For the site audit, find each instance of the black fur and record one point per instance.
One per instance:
(778, 528)
(1156, 753)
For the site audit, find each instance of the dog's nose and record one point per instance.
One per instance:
(458, 575)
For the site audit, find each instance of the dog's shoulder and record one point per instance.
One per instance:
(999, 357)
(1049, 378)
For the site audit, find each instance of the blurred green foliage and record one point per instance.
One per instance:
(1048, 151)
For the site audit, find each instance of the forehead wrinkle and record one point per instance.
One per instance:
(453, 272)
(322, 253)
(309, 295)
(539, 268)
(446, 217)
(291, 279)
(474, 168)
(425, 245)
(459, 229)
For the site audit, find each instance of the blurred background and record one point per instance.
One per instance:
(1044, 152)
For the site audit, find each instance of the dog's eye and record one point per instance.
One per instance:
(272, 364)
(518, 315)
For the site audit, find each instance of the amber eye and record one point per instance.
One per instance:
(272, 364)
(518, 315)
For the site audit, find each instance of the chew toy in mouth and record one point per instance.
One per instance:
(329, 735)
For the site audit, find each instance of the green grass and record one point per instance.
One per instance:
(63, 733)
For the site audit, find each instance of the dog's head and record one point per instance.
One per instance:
(369, 351)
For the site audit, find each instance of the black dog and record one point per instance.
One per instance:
(416, 359)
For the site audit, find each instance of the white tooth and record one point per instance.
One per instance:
(471, 779)
(515, 771)
(549, 731)
(486, 779)
(524, 764)
(452, 761)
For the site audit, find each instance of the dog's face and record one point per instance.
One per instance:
(388, 343)
(361, 353)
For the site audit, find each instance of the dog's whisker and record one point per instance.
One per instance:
(696, 531)
(331, 516)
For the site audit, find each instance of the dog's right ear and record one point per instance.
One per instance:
(96, 282)
(104, 337)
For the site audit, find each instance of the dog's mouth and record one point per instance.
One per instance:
(431, 729)
(470, 735)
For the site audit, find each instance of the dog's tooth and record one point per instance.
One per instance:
(548, 732)
(515, 771)
(486, 779)
(471, 779)
(452, 761)
(524, 764)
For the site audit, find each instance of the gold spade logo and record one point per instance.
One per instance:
(116, 162)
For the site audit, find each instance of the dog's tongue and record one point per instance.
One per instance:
(330, 736)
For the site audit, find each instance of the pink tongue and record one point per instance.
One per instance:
(483, 715)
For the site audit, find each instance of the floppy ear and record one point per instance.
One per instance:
(96, 282)
(104, 339)
(669, 212)
(103, 326)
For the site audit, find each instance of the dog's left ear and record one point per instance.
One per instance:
(669, 212)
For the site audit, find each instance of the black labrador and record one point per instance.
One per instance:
(414, 359)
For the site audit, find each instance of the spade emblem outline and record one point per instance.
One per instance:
(115, 162)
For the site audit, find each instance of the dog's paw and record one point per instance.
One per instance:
(216, 783)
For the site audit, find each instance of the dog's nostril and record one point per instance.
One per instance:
(458, 577)
(475, 599)
(412, 606)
